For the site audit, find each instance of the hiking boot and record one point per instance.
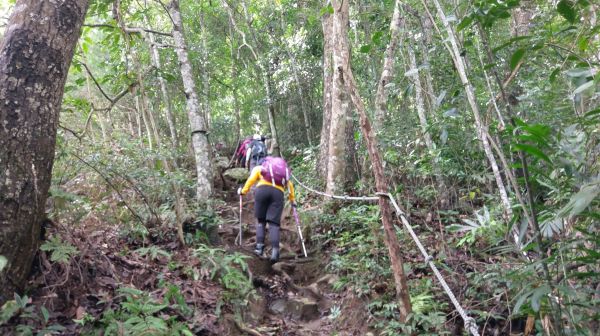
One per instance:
(275, 255)
(259, 249)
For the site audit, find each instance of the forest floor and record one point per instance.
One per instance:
(114, 278)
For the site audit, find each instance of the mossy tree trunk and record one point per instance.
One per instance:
(35, 55)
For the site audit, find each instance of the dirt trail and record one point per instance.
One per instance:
(293, 295)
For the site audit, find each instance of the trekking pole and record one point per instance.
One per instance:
(299, 231)
(240, 233)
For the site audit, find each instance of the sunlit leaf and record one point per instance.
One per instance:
(327, 10)
(376, 38)
(453, 112)
(365, 48)
(580, 72)
(440, 98)
(581, 200)
(537, 295)
(411, 72)
(583, 87)
(444, 136)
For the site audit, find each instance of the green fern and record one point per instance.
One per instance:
(154, 252)
(61, 252)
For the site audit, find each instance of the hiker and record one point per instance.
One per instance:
(240, 153)
(272, 178)
(256, 152)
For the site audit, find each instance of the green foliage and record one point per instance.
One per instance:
(231, 271)
(359, 257)
(153, 252)
(29, 319)
(426, 318)
(484, 226)
(140, 314)
(61, 252)
(567, 10)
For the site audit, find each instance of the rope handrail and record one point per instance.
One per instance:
(469, 322)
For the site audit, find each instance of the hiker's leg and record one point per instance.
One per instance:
(260, 233)
(260, 239)
(274, 239)
(274, 218)
(261, 199)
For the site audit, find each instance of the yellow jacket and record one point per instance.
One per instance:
(256, 176)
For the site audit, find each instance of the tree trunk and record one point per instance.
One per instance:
(200, 142)
(301, 96)
(388, 69)
(419, 101)
(381, 183)
(327, 85)
(205, 74)
(166, 101)
(425, 41)
(271, 111)
(141, 110)
(482, 131)
(35, 55)
(340, 101)
(236, 105)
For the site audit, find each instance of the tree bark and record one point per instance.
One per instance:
(425, 41)
(140, 105)
(419, 101)
(381, 183)
(200, 142)
(275, 150)
(166, 101)
(233, 70)
(35, 55)
(301, 97)
(340, 101)
(327, 84)
(388, 69)
(205, 74)
(482, 131)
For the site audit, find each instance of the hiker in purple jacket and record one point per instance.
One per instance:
(272, 178)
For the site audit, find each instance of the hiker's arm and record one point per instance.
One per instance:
(254, 177)
(292, 195)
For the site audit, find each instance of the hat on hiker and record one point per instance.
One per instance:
(257, 137)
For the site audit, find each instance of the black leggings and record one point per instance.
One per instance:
(268, 206)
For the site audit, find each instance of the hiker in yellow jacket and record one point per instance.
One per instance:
(271, 178)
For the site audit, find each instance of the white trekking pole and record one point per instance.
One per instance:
(240, 233)
(299, 231)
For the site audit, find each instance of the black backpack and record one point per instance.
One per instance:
(259, 150)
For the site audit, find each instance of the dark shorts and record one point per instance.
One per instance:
(268, 204)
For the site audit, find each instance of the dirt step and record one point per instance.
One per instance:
(300, 308)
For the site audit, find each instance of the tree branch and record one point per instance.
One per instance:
(130, 30)
(95, 81)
